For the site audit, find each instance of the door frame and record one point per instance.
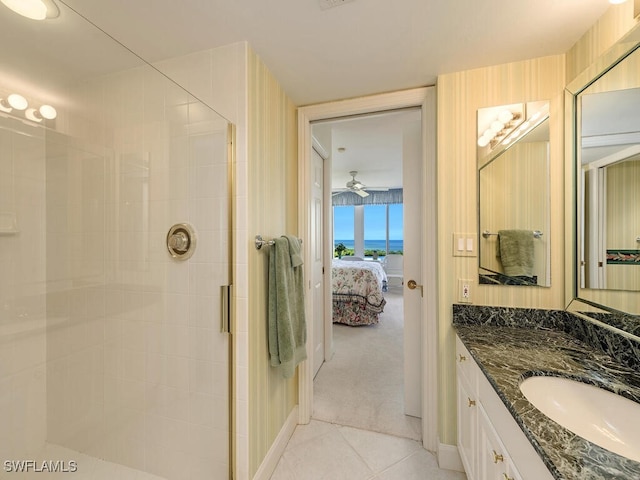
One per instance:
(425, 98)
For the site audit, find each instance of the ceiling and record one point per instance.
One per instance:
(360, 47)
(373, 145)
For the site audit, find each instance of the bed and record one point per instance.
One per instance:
(357, 288)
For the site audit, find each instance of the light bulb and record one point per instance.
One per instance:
(488, 133)
(483, 141)
(33, 9)
(496, 126)
(33, 115)
(48, 112)
(17, 101)
(4, 106)
(505, 116)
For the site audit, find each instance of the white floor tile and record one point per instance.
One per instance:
(325, 451)
(379, 451)
(421, 465)
(326, 457)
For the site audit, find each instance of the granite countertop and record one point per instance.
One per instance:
(508, 354)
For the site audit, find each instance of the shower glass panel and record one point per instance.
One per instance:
(112, 362)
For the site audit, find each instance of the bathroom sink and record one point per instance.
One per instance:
(597, 415)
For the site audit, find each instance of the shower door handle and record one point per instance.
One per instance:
(225, 308)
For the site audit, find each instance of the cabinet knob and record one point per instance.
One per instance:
(462, 358)
(497, 457)
(472, 403)
(506, 477)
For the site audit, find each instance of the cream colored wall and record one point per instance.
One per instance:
(610, 28)
(460, 95)
(272, 203)
(623, 223)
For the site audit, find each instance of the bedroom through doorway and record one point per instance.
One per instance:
(371, 379)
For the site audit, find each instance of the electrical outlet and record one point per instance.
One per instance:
(464, 290)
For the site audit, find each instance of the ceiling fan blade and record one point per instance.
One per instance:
(362, 193)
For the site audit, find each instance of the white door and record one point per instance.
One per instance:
(412, 255)
(317, 290)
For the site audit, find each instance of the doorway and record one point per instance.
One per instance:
(426, 340)
(371, 379)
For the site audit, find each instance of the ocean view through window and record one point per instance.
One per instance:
(380, 229)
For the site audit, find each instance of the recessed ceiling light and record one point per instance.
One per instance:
(617, 2)
(33, 9)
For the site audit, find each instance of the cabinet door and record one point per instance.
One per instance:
(467, 427)
(512, 472)
(492, 456)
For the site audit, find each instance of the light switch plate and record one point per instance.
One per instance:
(464, 244)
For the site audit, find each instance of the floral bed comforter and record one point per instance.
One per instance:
(357, 291)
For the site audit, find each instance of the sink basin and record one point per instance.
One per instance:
(597, 415)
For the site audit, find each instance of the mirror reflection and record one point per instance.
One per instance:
(514, 195)
(610, 176)
(608, 187)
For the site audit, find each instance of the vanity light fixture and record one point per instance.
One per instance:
(17, 103)
(500, 128)
(33, 9)
(45, 111)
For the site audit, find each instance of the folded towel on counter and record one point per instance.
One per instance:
(286, 316)
(515, 249)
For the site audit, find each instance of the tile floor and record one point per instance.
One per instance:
(326, 451)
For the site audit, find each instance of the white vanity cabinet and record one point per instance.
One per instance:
(485, 426)
(467, 410)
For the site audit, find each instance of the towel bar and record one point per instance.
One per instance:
(487, 234)
(260, 242)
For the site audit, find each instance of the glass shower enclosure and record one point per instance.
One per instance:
(113, 364)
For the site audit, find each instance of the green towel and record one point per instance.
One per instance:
(287, 326)
(515, 248)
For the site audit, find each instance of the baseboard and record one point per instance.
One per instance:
(449, 458)
(271, 459)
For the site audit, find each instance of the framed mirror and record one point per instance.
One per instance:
(605, 129)
(514, 195)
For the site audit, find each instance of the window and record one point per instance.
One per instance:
(396, 228)
(375, 230)
(379, 229)
(344, 228)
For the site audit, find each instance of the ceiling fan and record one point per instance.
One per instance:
(355, 186)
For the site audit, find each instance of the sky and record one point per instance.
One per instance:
(374, 222)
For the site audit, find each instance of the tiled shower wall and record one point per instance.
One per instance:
(22, 290)
(109, 346)
(137, 370)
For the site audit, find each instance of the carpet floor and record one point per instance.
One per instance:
(362, 386)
